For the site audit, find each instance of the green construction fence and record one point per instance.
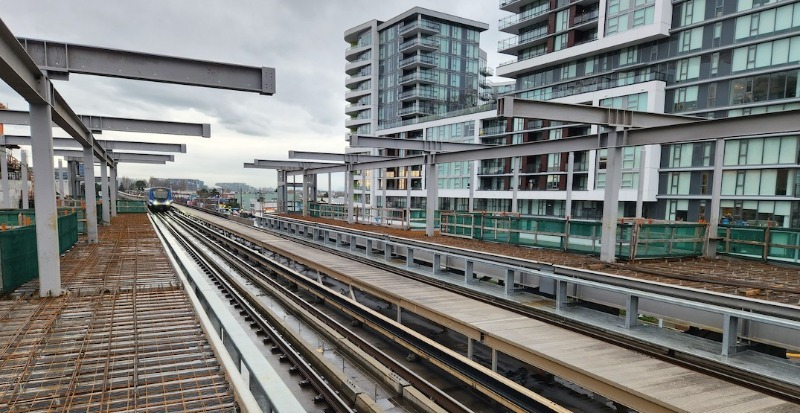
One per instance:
(18, 260)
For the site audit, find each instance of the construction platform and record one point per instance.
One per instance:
(123, 337)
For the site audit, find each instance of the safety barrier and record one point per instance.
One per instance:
(18, 251)
(125, 206)
(414, 218)
(764, 243)
(635, 238)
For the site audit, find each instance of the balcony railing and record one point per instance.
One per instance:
(585, 17)
(504, 3)
(523, 17)
(487, 71)
(416, 109)
(424, 59)
(418, 93)
(420, 24)
(422, 42)
(521, 40)
(420, 76)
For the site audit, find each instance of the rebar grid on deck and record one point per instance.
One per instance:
(133, 345)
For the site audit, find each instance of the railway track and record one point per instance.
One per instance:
(509, 394)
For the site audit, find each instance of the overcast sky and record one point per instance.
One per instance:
(301, 39)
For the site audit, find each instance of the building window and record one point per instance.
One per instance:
(690, 39)
(685, 99)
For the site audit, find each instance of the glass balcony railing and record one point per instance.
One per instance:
(523, 17)
(419, 24)
(421, 42)
(585, 17)
(420, 76)
(523, 39)
(423, 59)
(418, 93)
(416, 110)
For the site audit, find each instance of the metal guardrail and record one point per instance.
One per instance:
(732, 311)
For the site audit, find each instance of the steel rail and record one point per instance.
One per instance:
(235, 293)
(503, 392)
(729, 373)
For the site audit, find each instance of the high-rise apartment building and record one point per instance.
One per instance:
(712, 58)
(417, 64)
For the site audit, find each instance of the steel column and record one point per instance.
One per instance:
(45, 206)
(25, 191)
(716, 189)
(89, 194)
(348, 189)
(640, 193)
(4, 177)
(282, 193)
(104, 193)
(61, 178)
(408, 197)
(608, 238)
(305, 194)
(114, 190)
(432, 187)
(631, 311)
(570, 178)
(730, 333)
(516, 162)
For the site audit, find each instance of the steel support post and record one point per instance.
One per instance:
(608, 239)
(5, 187)
(473, 173)
(348, 186)
(570, 178)
(561, 295)
(437, 263)
(716, 188)
(409, 257)
(114, 190)
(432, 187)
(509, 281)
(470, 347)
(72, 179)
(408, 197)
(730, 333)
(89, 194)
(515, 165)
(104, 193)
(494, 360)
(25, 189)
(364, 196)
(387, 251)
(45, 205)
(469, 271)
(61, 178)
(305, 194)
(631, 311)
(330, 191)
(640, 193)
(282, 192)
(399, 314)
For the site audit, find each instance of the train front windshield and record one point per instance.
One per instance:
(160, 193)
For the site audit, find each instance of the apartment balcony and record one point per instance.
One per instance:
(493, 170)
(487, 71)
(357, 78)
(356, 107)
(417, 93)
(419, 26)
(416, 110)
(419, 43)
(352, 68)
(423, 61)
(514, 6)
(355, 122)
(512, 24)
(419, 77)
(486, 96)
(514, 44)
(352, 52)
(484, 84)
(584, 18)
(354, 94)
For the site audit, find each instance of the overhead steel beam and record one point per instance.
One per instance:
(337, 157)
(106, 144)
(286, 165)
(767, 123)
(121, 156)
(98, 124)
(141, 161)
(362, 141)
(59, 59)
(511, 107)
